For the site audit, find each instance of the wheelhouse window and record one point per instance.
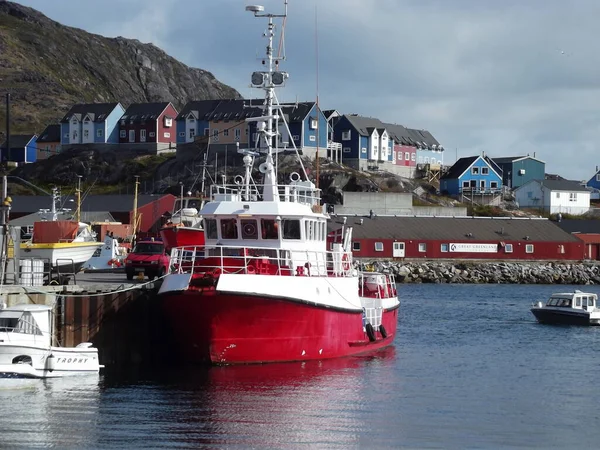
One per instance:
(249, 229)
(291, 228)
(529, 248)
(229, 229)
(269, 229)
(210, 228)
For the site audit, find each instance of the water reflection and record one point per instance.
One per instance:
(37, 412)
(321, 403)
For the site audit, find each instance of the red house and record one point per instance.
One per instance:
(149, 126)
(386, 237)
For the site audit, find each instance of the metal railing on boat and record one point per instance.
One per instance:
(260, 260)
(292, 193)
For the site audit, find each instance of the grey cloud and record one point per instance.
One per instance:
(505, 77)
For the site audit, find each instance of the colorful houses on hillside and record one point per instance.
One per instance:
(364, 143)
(370, 144)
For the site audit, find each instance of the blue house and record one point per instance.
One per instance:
(518, 170)
(472, 175)
(594, 182)
(91, 123)
(365, 141)
(193, 121)
(429, 150)
(23, 149)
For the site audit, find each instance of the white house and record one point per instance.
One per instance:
(554, 196)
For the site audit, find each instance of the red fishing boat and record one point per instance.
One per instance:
(264, 287)
(185, 224)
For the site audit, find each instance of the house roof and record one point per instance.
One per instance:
(18, 140)
(455, 229)
(98, 112)
(363, 124)
(563, 185)
(86, 216)
(50, 134)
(398, 133)
(580, 226)
(512, 159)
(93, 203)
(200, 108)
(463, 164)
(142, 112)
(240, 109)
(589, 238)
(329, 113)
(459, 167)
(553, 176)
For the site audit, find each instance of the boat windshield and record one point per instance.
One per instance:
(149, 248)
(564, 302)
(8, 323)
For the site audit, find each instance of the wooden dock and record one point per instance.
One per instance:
(121, 318)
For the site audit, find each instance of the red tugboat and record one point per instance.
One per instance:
(264, 288)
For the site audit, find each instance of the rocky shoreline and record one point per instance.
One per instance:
(478, 272)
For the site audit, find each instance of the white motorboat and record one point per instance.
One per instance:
(570, 308)
(26, 349)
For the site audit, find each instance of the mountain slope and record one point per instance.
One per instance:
(47, 67)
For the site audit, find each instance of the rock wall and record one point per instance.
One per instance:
(487, 272)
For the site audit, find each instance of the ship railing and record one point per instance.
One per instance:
(215, 260)
(291, 193)
(373, 287)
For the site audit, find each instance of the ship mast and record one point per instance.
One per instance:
(268, 80)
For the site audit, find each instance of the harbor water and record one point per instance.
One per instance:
(469, 368)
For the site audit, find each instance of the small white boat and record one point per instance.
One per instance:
(26, 349)
(570, 308)
(110, 256)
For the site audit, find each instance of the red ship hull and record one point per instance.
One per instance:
(223, 328)
(180, 236)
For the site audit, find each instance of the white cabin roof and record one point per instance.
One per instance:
(27, 307)
(282, 209)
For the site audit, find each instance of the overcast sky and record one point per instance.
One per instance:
(504, 77)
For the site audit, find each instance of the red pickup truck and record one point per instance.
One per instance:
(148, 256)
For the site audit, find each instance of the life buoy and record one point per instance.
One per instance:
(251, 270)
(370, 332)
(382, 331)
(345, 262)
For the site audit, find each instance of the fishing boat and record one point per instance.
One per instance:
(64, 244)
(264, 288)
(185, 224)
(570, 308)
(26, 349)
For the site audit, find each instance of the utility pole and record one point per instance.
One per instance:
(7, 126)
(135, 206)
(78, 193)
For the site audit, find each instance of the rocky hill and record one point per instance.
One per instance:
(47, 67)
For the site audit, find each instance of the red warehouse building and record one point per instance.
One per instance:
(386, 237)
